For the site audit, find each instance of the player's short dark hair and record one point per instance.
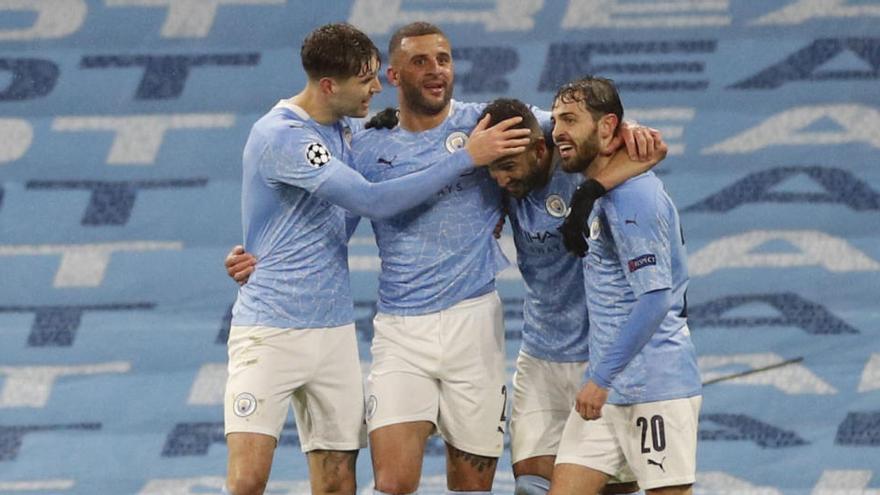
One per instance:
(337, 50)
(598, 95)
(505, 108)
(418, 28)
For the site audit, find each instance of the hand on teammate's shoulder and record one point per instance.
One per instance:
(385, 119)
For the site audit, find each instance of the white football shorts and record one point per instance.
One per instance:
(658, 440)
(445, 367)
(316, 370)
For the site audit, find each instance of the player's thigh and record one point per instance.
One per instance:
(659, 440)
(592, 444)
(249, 461)
(401, 386)
(541, 465)
(543, 395)
(575, 479)
(266, 365)
(473, 385)
(397, 451)
(333, 471)
(329, 407)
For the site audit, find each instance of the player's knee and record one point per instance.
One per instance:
(395, 486)
(343, 485)
(250, 483)
(529, 484)
(376, 491)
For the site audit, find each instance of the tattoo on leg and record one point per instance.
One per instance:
(336, 467)
(478, 462)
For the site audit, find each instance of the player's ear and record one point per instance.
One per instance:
(393, 77)
(609, 138)
(607, 125)
(327, 85)
(541, 149)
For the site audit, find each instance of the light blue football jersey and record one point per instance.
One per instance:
(442, 251)
(300, 240)
(555, 323)
(635, 247)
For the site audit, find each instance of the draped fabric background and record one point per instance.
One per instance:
(121, 129)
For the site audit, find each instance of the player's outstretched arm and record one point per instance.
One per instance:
(348, 189)
(240, 264)
(643, 321)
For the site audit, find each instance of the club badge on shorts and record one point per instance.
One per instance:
(372, 403)
(555, 206)
(317, 154)
(244, 404)
(594, 229)
(456, 141)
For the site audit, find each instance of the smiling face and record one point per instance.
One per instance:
(421, 66)
(520, 174)
(352, 95)
(575, 135)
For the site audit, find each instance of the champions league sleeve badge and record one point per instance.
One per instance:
(555, 206)
(456, 141)
(317, 154)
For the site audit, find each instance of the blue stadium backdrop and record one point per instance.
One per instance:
(121, 128)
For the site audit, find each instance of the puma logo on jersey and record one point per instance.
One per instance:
(387, 161)
(652, 462)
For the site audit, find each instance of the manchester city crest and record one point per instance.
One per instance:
(595, 227)
(555, 206)
(244, 404)
(372, 403)
(456, 141)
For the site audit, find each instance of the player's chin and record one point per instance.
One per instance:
(571, 165)
(361, 111)
(517, 192)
